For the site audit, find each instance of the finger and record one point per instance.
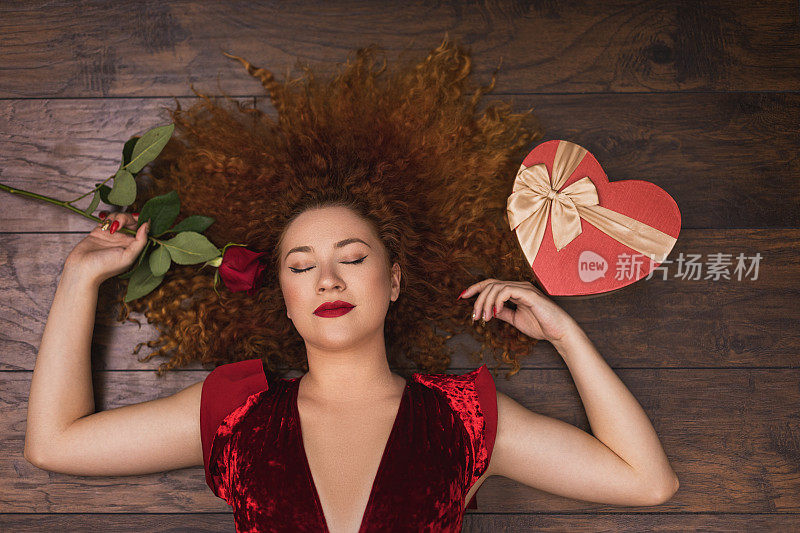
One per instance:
(124, 220)
(475, 288)
(506, 314)
(135, 217)
(98, 227)
(135, 248)
(102, 228)
(503, 295)
(479, 307)
(490, 303)
(116, 223)
(525, 295)
(127, 220)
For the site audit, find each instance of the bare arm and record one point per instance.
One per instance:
(623, 463)
(64, 434)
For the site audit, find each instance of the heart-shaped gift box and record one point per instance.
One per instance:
(583, 235)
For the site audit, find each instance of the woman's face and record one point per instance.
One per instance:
(331, 254)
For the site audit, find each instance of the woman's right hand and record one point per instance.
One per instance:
(102, 255)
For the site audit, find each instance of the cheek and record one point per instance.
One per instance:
(290, 290)
(379, 285)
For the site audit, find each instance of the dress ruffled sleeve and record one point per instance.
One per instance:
(473, 397)
(225, 389)
(481, 424)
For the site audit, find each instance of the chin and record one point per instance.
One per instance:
(336, 337)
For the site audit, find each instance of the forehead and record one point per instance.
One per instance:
(325, 225)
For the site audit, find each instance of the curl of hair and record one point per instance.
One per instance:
(406, 148)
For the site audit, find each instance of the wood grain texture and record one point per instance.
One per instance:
(151, 48)
(473, 522)
(724, 465)
(671, 320)
(700, 98)
(725, 159)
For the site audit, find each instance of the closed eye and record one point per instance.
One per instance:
(301, 270)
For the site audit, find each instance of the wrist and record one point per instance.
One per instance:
(76, 275)
(573, 333)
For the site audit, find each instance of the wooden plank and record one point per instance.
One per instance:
(576, 47)
(635, 522)
(62, 148)
(686, 348)
(667, 321)
(194, 522)
(732, 436)
(728, 160)
(473, 522)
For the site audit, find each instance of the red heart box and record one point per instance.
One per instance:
(577, 269)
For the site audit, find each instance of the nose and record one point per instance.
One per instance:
(329, 279)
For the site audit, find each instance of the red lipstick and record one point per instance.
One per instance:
(333, 309)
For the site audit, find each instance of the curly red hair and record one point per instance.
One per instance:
(405, 148)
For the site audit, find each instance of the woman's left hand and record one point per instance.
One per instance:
(536, 316)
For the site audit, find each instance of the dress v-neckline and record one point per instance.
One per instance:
(307, 466)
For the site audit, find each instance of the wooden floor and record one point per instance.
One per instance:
(701, 98)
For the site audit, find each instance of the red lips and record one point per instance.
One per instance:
(333, 309)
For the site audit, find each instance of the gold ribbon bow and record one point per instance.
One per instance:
(536, 197)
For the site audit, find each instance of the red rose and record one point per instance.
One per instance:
(241, 270)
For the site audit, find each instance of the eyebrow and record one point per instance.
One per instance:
(339, 244)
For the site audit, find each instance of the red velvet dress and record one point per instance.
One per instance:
(254, 459)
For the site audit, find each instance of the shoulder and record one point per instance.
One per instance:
(230, 384)
(224, 389)
(240, 370)
(470, 390)
(449, 380)
(473, 396)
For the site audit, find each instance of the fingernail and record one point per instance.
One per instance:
(102, 214)
(493, 313)
(136, 214)
(114, 227)
(462, 294)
